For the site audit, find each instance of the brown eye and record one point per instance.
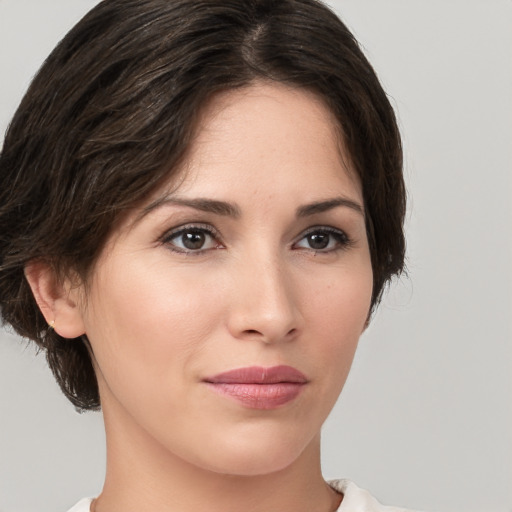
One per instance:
(323, 239)
(318, 241)
(191, 239)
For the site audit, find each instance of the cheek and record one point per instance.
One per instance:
(147, 319)
(336, 316)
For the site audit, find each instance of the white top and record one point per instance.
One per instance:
(355, 499)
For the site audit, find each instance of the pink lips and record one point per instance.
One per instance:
(259, 388)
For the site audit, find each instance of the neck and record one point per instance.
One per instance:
(143, 475)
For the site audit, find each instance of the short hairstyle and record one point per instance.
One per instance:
(113, 110)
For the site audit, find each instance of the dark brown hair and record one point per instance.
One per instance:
(113, 109)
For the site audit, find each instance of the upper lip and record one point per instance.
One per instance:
(259, 375)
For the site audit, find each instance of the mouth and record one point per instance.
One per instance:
(257, 387)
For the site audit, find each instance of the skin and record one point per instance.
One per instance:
(255, 290)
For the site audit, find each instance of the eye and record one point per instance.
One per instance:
(188, 239)
(323, 239)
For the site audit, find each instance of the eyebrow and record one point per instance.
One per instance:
(328, 204)
(232, 210)
(202, 204)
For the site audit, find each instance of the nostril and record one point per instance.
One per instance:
(256, 334)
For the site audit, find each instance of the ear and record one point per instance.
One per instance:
(57, 299)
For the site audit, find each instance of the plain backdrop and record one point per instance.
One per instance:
(425, 420)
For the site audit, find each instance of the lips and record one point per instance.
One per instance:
(258, 387)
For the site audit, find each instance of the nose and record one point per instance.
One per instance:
(265, 305)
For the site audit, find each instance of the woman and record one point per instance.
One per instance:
(202, 203)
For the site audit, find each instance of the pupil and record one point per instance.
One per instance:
(193, 240)
(318, 240)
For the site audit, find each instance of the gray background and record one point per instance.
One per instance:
(425, 420)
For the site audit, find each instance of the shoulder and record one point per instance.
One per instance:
(356, 499)
(82, 506)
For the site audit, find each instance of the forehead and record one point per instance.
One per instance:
(266, 134)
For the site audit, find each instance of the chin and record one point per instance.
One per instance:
(254, 465)
(248, 457)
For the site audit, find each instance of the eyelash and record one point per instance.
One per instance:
(342, 241)
(189, 228)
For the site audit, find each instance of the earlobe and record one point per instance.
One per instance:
(56, 298)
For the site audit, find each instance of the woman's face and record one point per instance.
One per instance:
(225, 313)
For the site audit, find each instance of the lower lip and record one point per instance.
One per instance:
(259, 396)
